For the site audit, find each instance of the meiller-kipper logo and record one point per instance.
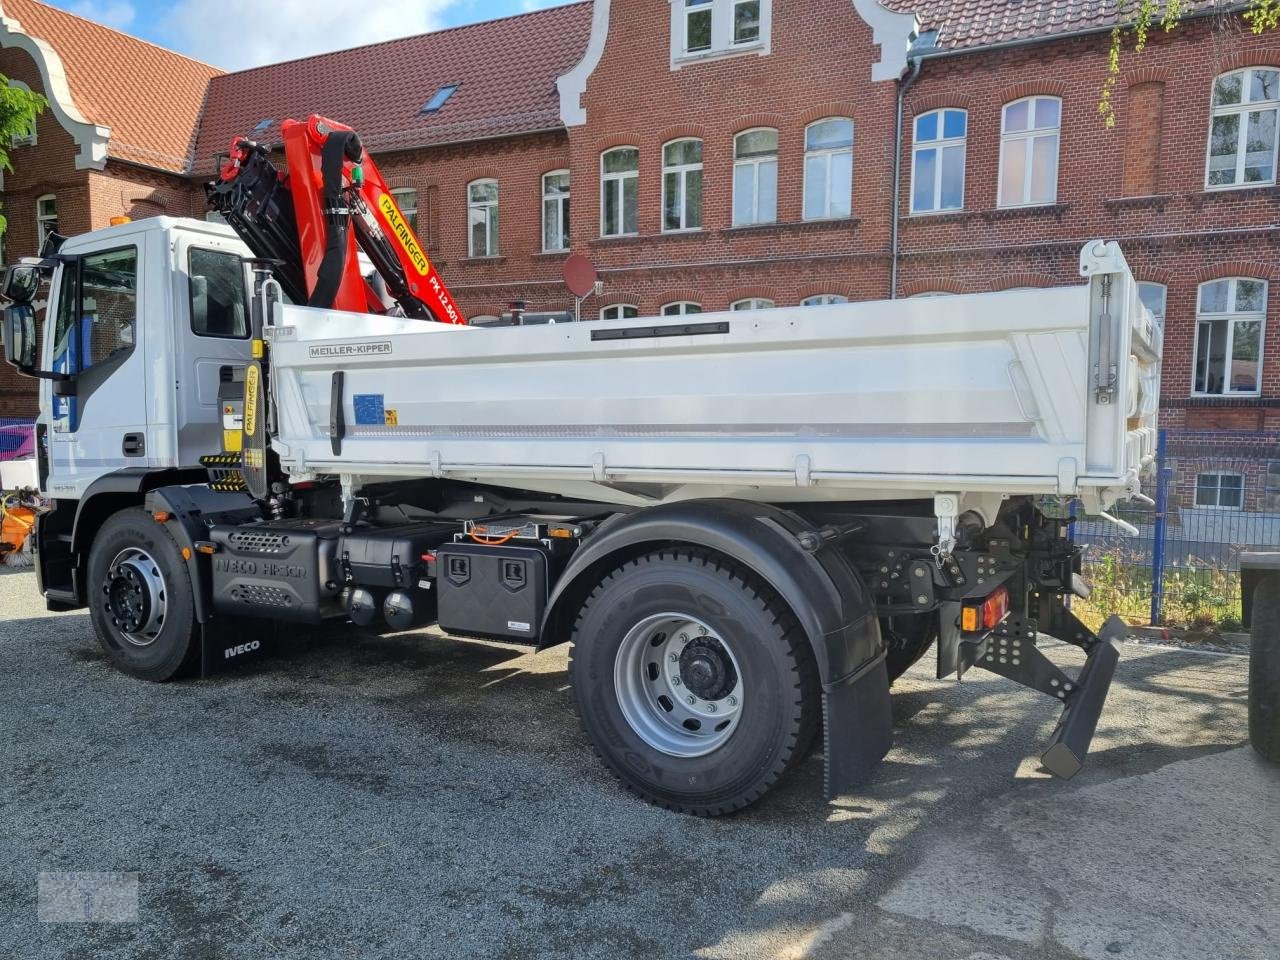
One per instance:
(404, 234)
(331, 350)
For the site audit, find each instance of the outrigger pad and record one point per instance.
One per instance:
(1070, 741)
(857, 728)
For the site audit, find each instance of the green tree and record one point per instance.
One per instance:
(1137, 18)
(18, 111)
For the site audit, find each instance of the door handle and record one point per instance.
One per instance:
(134, 445)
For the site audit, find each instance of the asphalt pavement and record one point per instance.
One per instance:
(419, 796)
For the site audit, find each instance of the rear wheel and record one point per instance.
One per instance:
(906, 640)
(693, 681)
(140, 600)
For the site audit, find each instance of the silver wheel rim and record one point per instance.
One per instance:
(678, 684)
(135, 596)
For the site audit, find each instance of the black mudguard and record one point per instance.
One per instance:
(822, 588)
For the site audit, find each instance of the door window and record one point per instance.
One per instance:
(97, 310)
(219, 305)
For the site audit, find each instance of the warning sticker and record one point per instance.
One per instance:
(369, 408)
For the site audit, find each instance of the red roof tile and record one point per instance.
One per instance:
(150, 97)
(505, 69)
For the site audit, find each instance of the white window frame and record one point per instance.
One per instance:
(938, 144)
(42, 219)
(682, 172)
(1028, 138)
(1243, 108)
(1164, 298)
(619, 311)
(560, 203)
(681, 308)
(753, 303)
(824, 299)
(491, 223)
(1217, 490)
(829, 153)
(1231, 317)
(925, 294)
(410, 211)
(612, 181)
(30, 139)
(755, 164)
(722, 31)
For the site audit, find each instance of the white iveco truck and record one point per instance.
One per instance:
(747, 524)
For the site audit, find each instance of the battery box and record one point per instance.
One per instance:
(283, 569)
(499, 592)
(391, 556)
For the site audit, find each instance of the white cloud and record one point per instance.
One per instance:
(117, 14)
(246, 33)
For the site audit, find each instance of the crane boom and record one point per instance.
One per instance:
(314, 218)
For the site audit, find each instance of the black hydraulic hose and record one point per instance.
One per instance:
(339, 146)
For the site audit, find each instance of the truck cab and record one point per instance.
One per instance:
(138, 324)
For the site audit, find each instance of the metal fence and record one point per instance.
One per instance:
(1216, 496)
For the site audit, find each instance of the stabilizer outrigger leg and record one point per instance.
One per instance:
(1011, 652)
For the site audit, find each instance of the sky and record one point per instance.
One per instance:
(233, 34)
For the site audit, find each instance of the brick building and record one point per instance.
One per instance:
(706, 154)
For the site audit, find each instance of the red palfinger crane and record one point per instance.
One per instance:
(313, 219)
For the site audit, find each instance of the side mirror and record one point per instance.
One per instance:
(21, 281)
(20, 336)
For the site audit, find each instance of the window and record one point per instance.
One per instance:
(97, 310)
(681, 309)
(1029, 152)
(482, 218)
(619, 311)
(928, 293)
(46, 219)
(682, 185)
(1229, 321)
(406, 199)
(708, 27)
(1153, 297)
(937, 161)
(752, 303)
(828, 169)
(1222, 490)
(1242, 134)
(619, 192)
(219, 296)
(823, 299)
(755, 177)
(555, 210)
(439, 98)
(28, 137)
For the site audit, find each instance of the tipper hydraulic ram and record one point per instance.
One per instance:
(747, 524)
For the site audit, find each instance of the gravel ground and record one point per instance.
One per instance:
(416, 796)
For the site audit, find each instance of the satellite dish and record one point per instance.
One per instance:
(579, 275)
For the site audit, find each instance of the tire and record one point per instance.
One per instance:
(140, 599)
(1264, 670)
(906, 640)
(696, 618)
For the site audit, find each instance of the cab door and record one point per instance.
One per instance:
(98, 419)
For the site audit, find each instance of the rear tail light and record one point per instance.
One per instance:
(985, 615)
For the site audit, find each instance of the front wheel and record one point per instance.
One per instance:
(140, 599)
(693, 681)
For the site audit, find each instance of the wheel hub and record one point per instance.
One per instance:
(706, 670)
(134, 596)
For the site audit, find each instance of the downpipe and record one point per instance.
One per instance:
(904, 85)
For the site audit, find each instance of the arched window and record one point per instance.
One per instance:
(682, 185)
(28, 137)
(555, 211)
(828, 169)
(755, 177)
(1242, 133)
(619, 192)
(1153, 297)
(482, 218)
(752, 303)
(46, 219)
(619, 311)
(406, 199)
(928, 293)
(681, 308)
(937, 161)
(1029, 151)
(823, 299)
(1230, 317)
